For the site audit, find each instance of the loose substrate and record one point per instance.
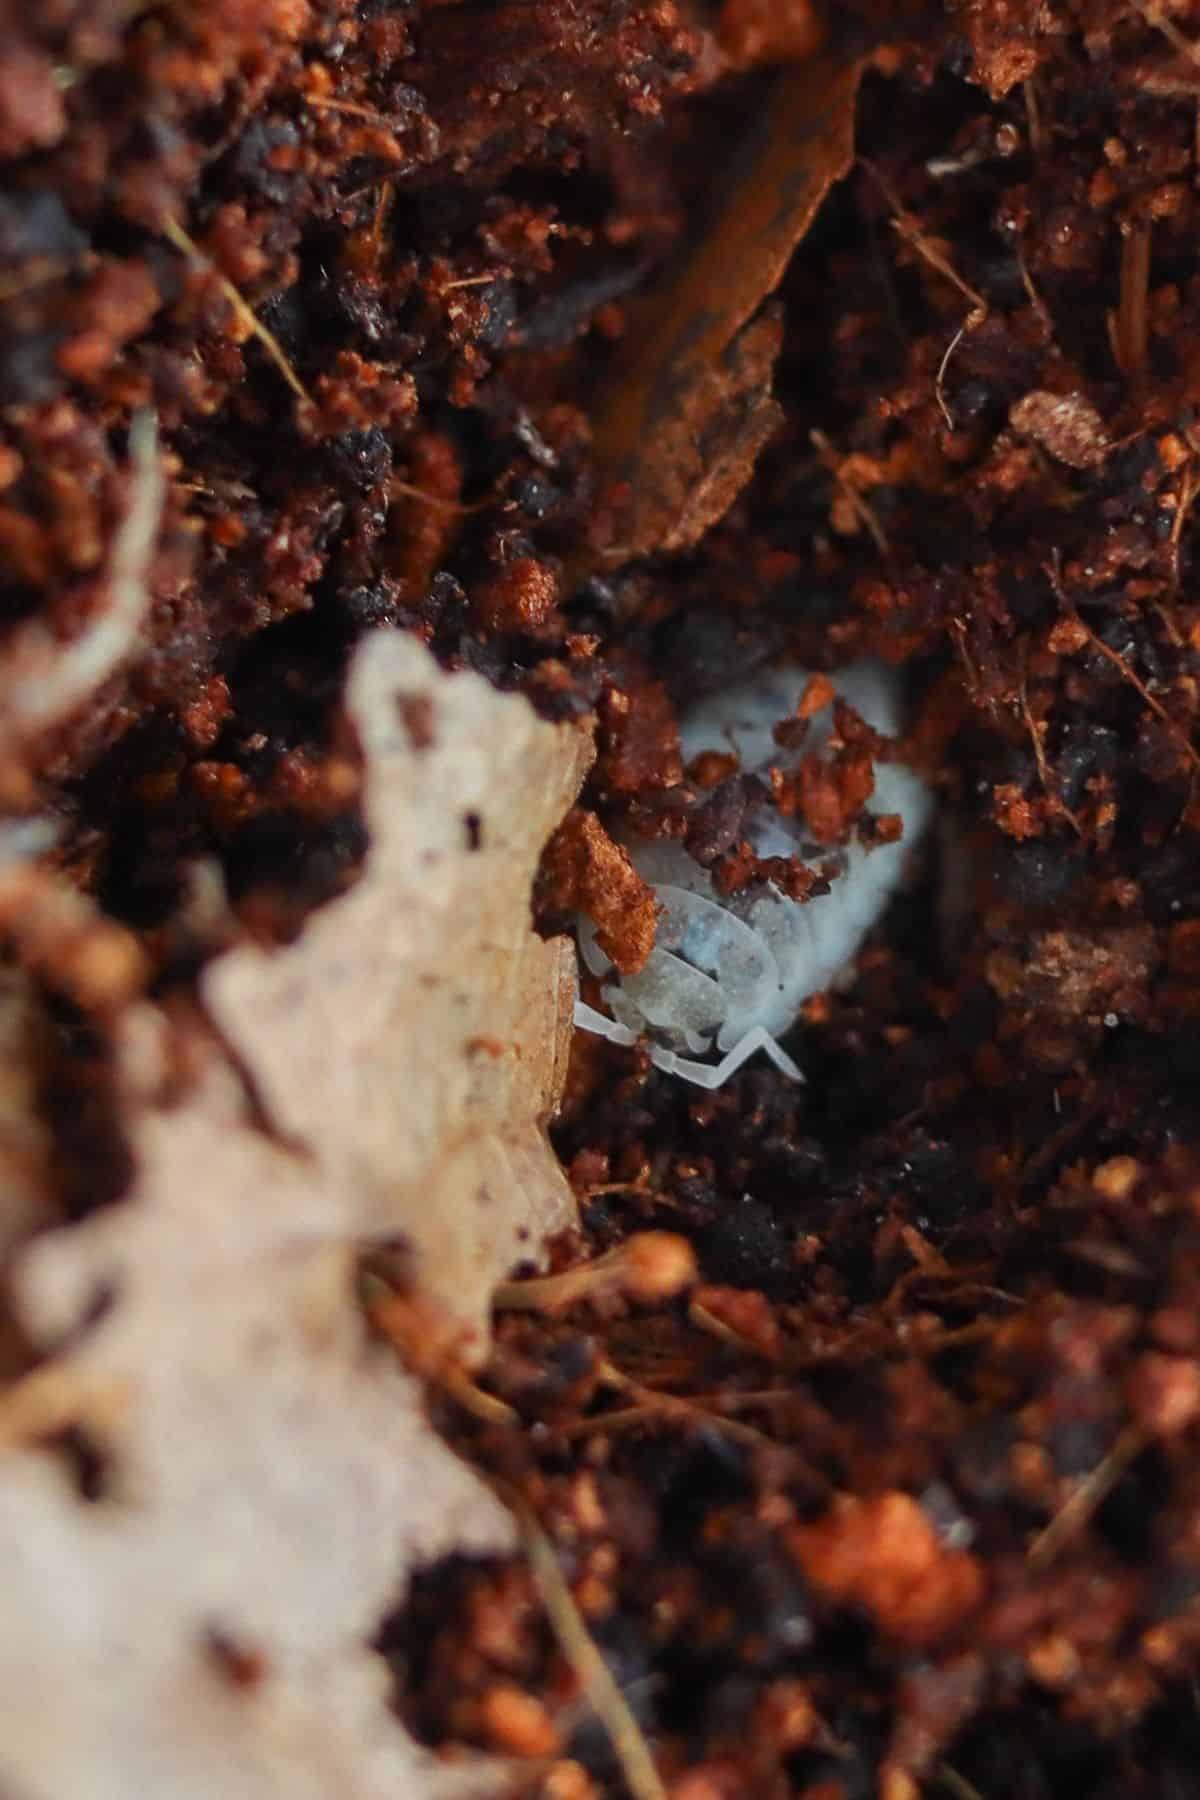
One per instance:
(409, 413)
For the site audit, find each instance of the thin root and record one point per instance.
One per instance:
(860, 508)
(44, 681)
(577, 1645)
(354, 111)
(173, 231)
(487, 1408)
(435, 501)
(939, 383)
(1033, 114)
(651, 1407)
(1188, 486)
(1092, 1491)
(1049, 787)
(1156, 706)
(957, 1784)
(910, 230)
(1154, 15)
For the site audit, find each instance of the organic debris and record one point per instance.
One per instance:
(214, 1482)
(389, 407)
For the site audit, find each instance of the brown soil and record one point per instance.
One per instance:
(613, 349)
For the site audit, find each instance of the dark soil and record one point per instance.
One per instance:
(565, 334)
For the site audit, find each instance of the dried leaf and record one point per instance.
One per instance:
(404, 1041)
(266, 1478)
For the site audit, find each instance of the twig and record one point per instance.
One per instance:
(187, 246)
(1092, 1491)
(577, 1645)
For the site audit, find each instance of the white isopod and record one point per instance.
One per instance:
(731, 974)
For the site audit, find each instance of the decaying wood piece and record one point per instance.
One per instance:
(680, 426)
(260, 1477)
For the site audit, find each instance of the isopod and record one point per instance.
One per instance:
(729, 975)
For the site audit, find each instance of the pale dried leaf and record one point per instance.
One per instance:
(413, 1040)
(270, 1479)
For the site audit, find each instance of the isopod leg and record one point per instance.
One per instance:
(780, 1058)
(705, 1075)
(588, 1019)
(715, 1075)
